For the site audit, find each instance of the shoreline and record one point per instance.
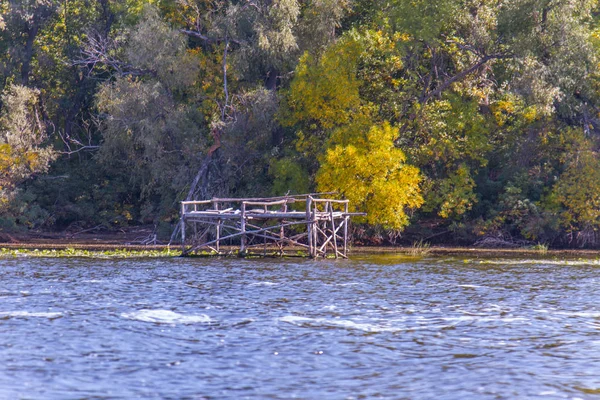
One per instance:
(126, 249)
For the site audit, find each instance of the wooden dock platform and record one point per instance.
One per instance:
(316, 226)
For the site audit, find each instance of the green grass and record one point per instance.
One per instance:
(419, 248)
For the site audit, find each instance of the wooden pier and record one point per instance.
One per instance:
(316, 227)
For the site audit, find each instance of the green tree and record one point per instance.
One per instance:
(22, 137)
(575, 197)
(150, 124)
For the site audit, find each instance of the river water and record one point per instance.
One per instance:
(385, 327)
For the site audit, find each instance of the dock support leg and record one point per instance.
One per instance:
(265, 238)
(333, 230)
(282, 229)
(218, 234)
(309, 227)
(183, 252)
(217, 229)
(243, 229)
(315, 231)
(346, 220)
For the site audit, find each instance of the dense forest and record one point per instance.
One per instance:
(454, 121)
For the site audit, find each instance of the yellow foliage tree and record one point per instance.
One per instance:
(343, 134)
(324, 95)
(326, 91)
(367, 169)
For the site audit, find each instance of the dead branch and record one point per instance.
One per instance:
(100, 50)
(461, 75)
(78, 144)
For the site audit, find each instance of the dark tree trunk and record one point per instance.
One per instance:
(26, 66)
(271, 82)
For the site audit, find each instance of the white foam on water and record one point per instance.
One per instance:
(398, 324)
(347, 324)
(584, 314)
(264, 284)
(166, 317)
(27, 314)
(484, 318)
(292, 319)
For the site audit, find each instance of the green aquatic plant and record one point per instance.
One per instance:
(72, 252)
(541, 247)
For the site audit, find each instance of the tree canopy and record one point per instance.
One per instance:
(479, 118)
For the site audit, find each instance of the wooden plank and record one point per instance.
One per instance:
(213, 212)
(212, 215)
(199, 202)
(265, 203)
(289, 197)
(260, 214)
(331, 201)
(277, 215)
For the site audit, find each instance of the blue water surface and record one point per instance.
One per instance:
(375, 327)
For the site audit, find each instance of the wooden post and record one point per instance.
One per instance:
(218, 227)
(243, 229)
(284, 209)
(265, 238)
(315, 230)
(335, 247)
(346, 219)
(309, 226)
(195, 237)
(182, 229)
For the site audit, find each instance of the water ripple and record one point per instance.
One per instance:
(376, 327)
